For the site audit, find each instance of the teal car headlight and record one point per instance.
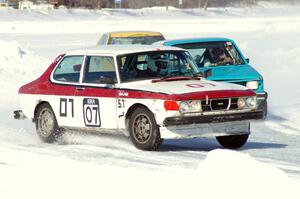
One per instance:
(192, 106)
(253, 85)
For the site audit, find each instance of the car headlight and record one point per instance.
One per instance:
(253, 85)
(247, 102)
(190, 106)
(241, 103)
(251, 102)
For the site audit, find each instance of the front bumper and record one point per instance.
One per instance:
(215, 118)
(209, 125)
(205, 130)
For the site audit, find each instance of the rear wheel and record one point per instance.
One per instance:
(233, 141)
(143, 130)
(46, 124)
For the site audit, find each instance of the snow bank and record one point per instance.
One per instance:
(223, 174)
(17, 66)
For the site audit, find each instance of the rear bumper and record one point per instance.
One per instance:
(19, 115)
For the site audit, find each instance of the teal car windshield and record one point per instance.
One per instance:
(209, 54)
(156, 65)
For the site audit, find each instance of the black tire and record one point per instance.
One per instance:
(233, 141)
(46, 124)
(143, 130)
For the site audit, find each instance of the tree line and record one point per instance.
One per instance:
(135, 4)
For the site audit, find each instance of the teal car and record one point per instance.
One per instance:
(222, 60)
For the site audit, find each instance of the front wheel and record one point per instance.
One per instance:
(233, 141)
(143, 130)
(46, 124)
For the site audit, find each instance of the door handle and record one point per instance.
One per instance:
(79, 88)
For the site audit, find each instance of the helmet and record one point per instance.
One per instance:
(216, 53)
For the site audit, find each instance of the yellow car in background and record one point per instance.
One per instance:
(130, 37)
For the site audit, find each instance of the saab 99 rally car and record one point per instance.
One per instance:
(130, 37)
(145, 92)
(226, 62)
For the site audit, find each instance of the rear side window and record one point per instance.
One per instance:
(99, 70)
(69, 69)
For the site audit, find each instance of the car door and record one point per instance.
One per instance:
(96, 94)
(66, 77)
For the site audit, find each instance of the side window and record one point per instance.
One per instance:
(69, 69)
(99, 70)
(103, 39)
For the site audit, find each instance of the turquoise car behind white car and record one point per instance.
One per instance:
(223, 59)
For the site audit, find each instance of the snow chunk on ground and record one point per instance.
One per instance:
(231, 174)
(223, 174)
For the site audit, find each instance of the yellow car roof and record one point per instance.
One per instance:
(134, 34)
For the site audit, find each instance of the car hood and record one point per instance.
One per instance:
(181, 86)
(233, 73)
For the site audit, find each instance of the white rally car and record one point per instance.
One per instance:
(146, 92)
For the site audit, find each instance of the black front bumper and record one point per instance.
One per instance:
(255, 115)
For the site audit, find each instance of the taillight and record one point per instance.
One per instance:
(171, 106)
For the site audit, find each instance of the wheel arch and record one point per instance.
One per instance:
(39, 104)
(131, 109)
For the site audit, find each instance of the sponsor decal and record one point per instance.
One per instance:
(123, 94)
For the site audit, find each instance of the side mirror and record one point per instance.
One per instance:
(248, 60)
(207, 73)
(77, 67)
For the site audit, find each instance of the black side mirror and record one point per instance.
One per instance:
(248, 60)
(77, 67)
(207, 73)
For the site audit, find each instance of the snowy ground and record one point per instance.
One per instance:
(95, 166)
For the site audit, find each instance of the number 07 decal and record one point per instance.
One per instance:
(91, 112)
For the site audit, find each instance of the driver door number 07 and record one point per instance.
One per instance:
(91, 112)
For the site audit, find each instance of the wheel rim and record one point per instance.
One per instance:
(142, 128)
(46, 122)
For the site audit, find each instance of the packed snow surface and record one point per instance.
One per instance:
(108, 166)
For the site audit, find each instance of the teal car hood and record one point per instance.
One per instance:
(232, 73)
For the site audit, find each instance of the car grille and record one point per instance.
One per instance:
(219, 104)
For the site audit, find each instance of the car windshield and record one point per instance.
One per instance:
(156, 65)
(146, 40)
(207, 54)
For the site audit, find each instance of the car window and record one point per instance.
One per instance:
(103, 39)
(145, 40)
(156, 64)
(99, 70)
(69, 69)
(207, 54)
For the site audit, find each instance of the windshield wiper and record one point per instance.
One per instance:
(198, 74)
(176, 78)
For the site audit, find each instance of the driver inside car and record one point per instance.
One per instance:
(219, 57)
